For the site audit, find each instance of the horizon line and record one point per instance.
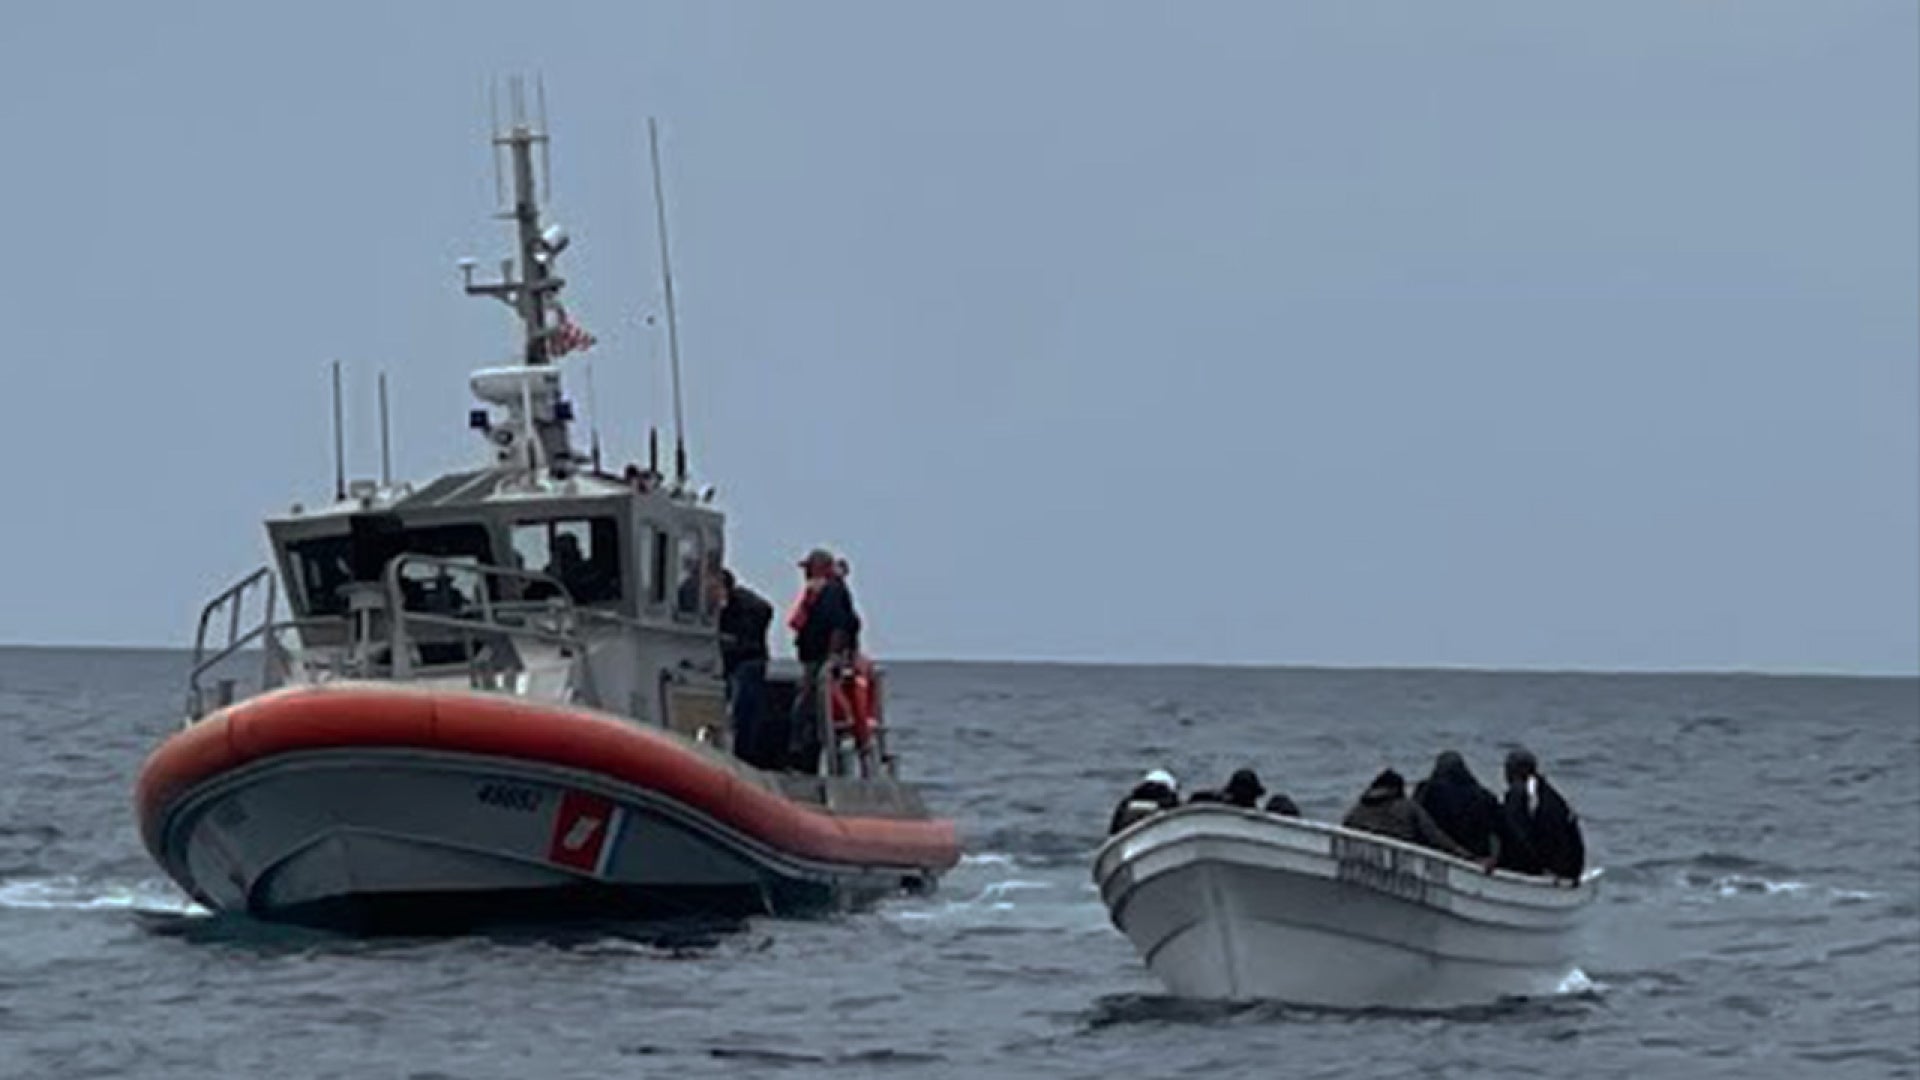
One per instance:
(1222, 665)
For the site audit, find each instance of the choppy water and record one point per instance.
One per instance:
(1760, 913)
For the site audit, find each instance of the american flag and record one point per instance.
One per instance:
(568, 336)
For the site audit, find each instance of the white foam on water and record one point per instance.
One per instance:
(1736, 884)
(1728, 886)
(1577, 982)
(1028, 903)
(68, 893)
(998, 890)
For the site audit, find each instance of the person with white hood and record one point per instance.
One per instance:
(1156, 791)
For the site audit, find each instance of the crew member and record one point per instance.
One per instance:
(744, 618)
(825, 628)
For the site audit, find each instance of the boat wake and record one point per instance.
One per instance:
(1005, 893)
(69, 893)
(1722, 876)
(1577, 996)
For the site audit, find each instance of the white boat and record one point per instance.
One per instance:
(1232, 904)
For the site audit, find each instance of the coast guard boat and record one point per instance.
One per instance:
(1228, 903)
(498, 693)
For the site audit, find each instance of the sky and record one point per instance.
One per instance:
(1489, 334)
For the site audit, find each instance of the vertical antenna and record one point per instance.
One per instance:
(386, 460)
(339, 447)
(593, 416)
(673, 326)
(499, 175)
(546, 162)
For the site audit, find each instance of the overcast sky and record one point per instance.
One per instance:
(1492, 334)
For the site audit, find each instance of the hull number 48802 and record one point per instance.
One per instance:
(509, 797)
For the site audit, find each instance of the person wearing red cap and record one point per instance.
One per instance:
(826, 630)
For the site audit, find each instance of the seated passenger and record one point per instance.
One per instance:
(565, 564)
(1545, 830)
(1156, 791)
(1385, 810)
(1243, 789)
(1461, 807)
(1281, 805)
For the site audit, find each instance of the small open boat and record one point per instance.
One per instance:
(500, 694)
(1235, 904)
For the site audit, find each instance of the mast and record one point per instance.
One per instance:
(531, 295)
(532, 292)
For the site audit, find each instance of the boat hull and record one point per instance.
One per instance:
(379, 808)
(1231, 904)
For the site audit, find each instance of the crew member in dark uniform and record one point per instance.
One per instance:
(744, 618)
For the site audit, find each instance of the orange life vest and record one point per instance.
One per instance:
(853, 704)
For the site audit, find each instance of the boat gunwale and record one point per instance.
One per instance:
(1245, 825)
(306, 719)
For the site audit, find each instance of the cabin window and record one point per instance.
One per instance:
(323, 565)
(709, 598)
(644, 544)
(662, 565)
(687, 588)
(580, 553)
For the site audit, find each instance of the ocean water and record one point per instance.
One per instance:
(1760, 911)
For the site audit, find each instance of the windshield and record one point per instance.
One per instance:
(323, 565)
(581, 553)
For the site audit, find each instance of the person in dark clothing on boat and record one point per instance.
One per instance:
(825, 630)
(1385, 810)
(1282, 806)
(1462, 808)
(1545, 829)
(1243, 789)
(1156, 791)
(744, 618)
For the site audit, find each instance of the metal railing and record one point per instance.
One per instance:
(553, 620)
(379, 641)
(846, 757)
(231, 602)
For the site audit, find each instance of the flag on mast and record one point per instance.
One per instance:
(568, 336)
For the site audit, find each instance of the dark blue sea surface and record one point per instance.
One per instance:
(1760, 911)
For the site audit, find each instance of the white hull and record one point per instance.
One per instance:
(1234, 904)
